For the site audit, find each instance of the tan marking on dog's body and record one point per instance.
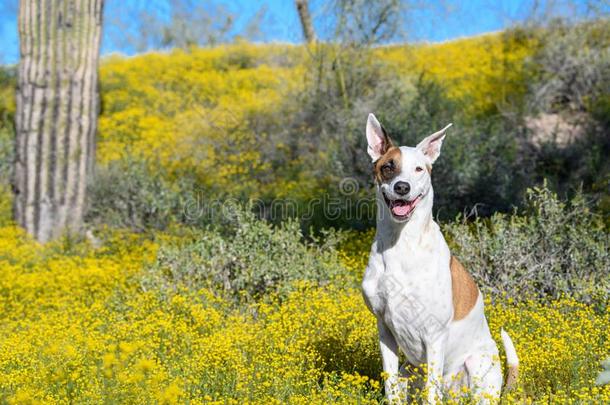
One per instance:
(392, 155)
(465, 290)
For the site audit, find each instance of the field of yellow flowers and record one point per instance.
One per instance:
(77, 325)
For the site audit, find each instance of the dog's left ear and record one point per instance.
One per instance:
(431, 145)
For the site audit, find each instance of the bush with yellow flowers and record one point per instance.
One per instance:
(190, 111)
(482, 73)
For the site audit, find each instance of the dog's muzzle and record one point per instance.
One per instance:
(402, 208)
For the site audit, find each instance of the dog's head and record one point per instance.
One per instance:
(402, 173)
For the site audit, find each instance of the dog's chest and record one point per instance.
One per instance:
(407, 294)
(411, 293)
(402, 275)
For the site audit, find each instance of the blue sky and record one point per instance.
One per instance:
(438, 20)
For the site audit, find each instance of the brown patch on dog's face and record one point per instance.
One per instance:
(465, 290)
(388, 166)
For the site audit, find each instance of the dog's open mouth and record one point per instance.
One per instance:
(402, 209)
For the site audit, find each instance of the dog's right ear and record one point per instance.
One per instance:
(377, 138)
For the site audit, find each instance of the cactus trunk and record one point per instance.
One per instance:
(56, 118)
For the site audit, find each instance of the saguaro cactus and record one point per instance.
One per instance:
(56, 118)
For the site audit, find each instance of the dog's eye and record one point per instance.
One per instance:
(419, 169)
(388, 167)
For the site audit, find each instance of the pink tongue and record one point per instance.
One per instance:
(401, 208)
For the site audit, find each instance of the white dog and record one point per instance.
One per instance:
(425, 302)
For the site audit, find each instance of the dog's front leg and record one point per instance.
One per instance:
(435, 359)
(389, 359)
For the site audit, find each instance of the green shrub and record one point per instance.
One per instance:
(244, 258)
(6, 152)
(566, 110)
(6, 161)
(554, 248)
(7, 116)
(7, 136)
(131, 194)
(571, 68)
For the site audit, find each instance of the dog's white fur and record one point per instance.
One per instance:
(408, 287)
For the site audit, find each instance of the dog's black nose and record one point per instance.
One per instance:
(402, 188)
